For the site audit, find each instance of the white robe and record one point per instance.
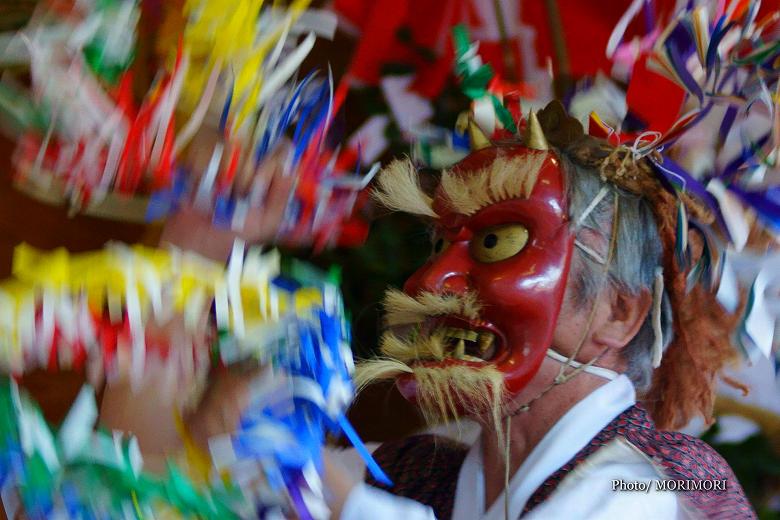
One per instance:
(586, 492)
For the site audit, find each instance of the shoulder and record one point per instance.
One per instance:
(677, 457)
(681, 454)
(697, 471)
(616, 481)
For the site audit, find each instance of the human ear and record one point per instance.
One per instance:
(627, 313)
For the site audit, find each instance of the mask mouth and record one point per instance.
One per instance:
(469, 344)
(465, 341)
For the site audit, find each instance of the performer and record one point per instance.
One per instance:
(553, 311)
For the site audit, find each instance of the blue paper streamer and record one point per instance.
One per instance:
(376, 472)
(226, 108)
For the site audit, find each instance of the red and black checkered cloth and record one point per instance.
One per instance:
(425, 468)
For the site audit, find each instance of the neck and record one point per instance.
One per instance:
(528, 428)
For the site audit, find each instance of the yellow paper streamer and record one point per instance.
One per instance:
(154, 280)
(230, 32)
(198, 461)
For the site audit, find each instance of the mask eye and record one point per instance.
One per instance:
(439, 245)
(498, 243)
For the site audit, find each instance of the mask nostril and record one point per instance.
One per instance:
(455, 283)
(446, 271)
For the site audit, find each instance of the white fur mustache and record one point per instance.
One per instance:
(442, 390)
(402, 309)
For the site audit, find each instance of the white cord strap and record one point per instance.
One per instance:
(581, 219)
(658, 294)
(590, 252)
(595, 202)
(605, 373)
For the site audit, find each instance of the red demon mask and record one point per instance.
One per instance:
(503, 236)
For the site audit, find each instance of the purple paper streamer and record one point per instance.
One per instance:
(681, 39)
(728, 121)
(765, 203)
(678, 47)
(298, 503)
(681, 179)
(649, 14)
(731, 169)
(676, 175)
(712, 50)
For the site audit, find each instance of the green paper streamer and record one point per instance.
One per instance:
(504, 116)
(104, 482)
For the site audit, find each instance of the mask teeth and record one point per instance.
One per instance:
(467, 344)
(460, 349)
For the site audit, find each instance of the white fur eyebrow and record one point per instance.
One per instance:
(504, 179)
(399, 189)
(398, 185)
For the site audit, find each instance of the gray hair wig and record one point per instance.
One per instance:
(638, 253)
